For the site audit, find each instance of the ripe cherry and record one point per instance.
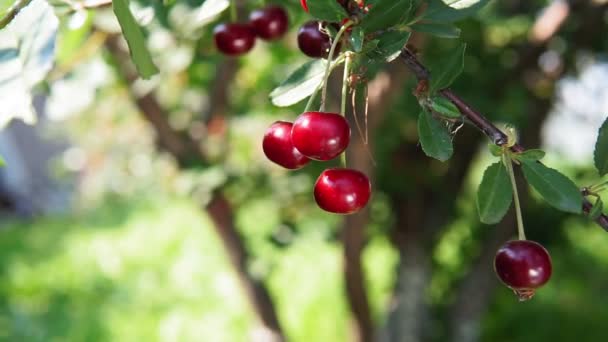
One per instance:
(320, 136)
(523, 266)
(342, 191)
(312, 41)
(269, 23)
(234, 39)
(278, 147)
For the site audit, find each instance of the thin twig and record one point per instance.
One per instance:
(13, 11)
(497, 136)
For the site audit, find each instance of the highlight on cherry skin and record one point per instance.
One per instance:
(523, 266)
(234, 39)
(320, 135)
(342, 191)
(269, 23)
(278, 147)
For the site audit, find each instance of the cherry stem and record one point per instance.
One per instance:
(330, 57)
(599, 187)
(506, 158)
(233, 11)
(344, 95)
(312, 97)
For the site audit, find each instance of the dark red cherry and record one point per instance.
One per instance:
(279, 149)
(269, 23)
(523, 266)
(312, 41)
(234, 39)
(342, 191)
(320, 136)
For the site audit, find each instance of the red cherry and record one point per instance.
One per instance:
(234, 39)
(523, 266)
(312, 41)
(269, 23)
(342, 191)
(278, 147)
(320, 136)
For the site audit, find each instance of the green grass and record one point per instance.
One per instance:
(141, 271)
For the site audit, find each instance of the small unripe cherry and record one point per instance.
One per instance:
(234, 39)
(320, 135)
(278, 147)
(342, 191)
(523, 266)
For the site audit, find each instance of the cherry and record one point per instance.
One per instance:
(523, 266)
(278, 147)
(312, 41)
(234, 39)
(319, 135)
(342, 191)
(269, 23)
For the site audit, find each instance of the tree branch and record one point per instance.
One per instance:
(497, 136)
(12, 12)
(218, 209)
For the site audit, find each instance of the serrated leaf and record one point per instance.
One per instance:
(135, 39)
(434, 137)
(596, 210)
(558, 190)
(452, 10)
(390, 44)
(530, 155)
(444, 107)
(385, 14)
(300, 84)
(27, 49)
(447, 69)
(600, 155)
(437, 29)
(357, 38)
(327, 10)
(494, 195)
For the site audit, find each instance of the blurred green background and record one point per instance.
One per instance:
(132, 257)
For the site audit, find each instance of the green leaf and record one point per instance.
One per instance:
(385, 14)
(601, 150)
(596, 210)
(390, 44)
(452, 10)
(558, 190)
(2, 161)
(530, 155)
(326, 10)
(209, 10)
(434, 137)
(135, 39)
(495, 150)
(356, 39)
(300, 84)
(494, 195)
(446, 70)
(27, 51)
(444, 107)
(438, 29)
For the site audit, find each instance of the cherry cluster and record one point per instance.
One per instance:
(234, 39)
(319, 136)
